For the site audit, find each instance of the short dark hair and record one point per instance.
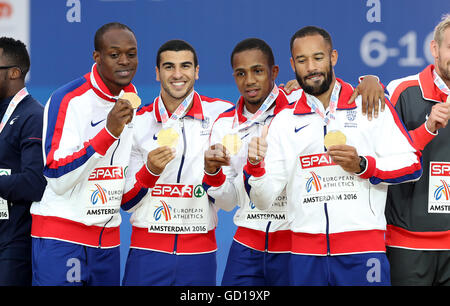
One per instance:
(310, 31)
(251, 44)
(175, 45)
(15, 52)
(105, 28)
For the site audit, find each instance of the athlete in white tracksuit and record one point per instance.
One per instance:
(333, 188)
(262, 239)
(334, 212)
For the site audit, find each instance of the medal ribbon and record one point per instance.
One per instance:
(314, 103)
(12, 106)
(178, 113)
(440, 84)
(262, 109)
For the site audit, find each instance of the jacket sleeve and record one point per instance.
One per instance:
(265, 181)
(28, 184)
(138, 182)
(420, 136)
(221, 188)
(397, 159)
(68, 156)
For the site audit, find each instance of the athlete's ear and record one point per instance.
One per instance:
(157, 73)
(334, 57)
(291, 60)
(275, 70)
(14, 73)
(196, 72)
(96, 56)
(434, 48)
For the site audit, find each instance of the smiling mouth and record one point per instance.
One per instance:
(124, 73)
(314, 77)
(178, 84)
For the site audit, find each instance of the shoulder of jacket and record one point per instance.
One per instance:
(145, 109)
(403, 83)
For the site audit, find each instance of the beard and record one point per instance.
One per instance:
(316, 90)
(444, 69)
(254, 102)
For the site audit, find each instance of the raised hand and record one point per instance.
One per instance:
(439, 116)
(215, 157)
(345, 156)
(120, 115)
(257, 148)
(372, 95)
(158, 159)
(290, 86)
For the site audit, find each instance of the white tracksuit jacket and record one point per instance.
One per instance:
(171, 212)
(333, 211)
(84, 166)
(266, 230)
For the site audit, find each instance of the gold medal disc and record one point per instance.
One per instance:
(168, 137)
(232, 142)
(333, 138)
(133, 98)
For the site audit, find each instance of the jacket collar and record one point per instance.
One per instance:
(280, 102)
(429, 90)
(196, 111)
(302, 107)
(101, 89)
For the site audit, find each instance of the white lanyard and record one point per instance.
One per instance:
(314, 103)
(262, 109)
(178, 113)
(440, 84)
(12, 106)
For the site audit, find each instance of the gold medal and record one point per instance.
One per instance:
(168, 137)
(133, 98)
(232, 142)
(334, 138)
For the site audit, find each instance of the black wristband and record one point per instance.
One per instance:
(362, 164)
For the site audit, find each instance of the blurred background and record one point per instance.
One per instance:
(382, 37)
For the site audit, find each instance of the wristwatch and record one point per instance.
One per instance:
(362, 164)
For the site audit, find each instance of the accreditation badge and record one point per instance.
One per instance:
(178, 209)
(438, 188)
(4, 212)
(103, 191)
(324, 181)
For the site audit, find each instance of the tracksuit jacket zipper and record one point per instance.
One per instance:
(327, 223)
(179, 176)
(104, 226)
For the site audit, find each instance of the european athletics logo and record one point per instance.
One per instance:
(442, 190)
(163, 210)
(313, 181)
(98, 194)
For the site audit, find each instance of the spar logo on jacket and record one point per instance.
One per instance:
(105, 189)
(439, 195)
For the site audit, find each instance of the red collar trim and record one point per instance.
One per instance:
(195, 112)
(102, 90)
(280, 103)
(429, 90)
(240, 110)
